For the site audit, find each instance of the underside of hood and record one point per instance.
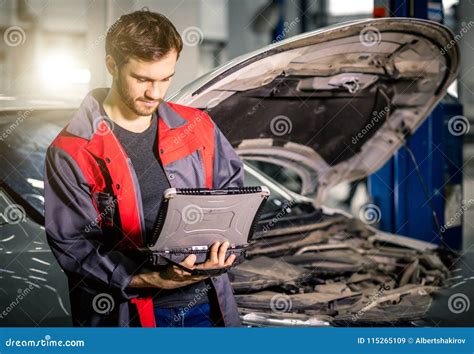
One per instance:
(332, 105)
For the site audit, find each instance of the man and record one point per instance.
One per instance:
(105, 174)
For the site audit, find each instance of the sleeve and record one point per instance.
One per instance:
(73, 236)
(228, 169)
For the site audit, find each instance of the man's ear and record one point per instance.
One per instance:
(111, 65)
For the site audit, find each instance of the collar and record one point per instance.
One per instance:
(87, 118)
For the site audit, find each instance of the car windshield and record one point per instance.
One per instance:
(25, 136)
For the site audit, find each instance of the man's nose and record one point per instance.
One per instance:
(153, 92)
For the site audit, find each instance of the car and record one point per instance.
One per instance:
(327, 106)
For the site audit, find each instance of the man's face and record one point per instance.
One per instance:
(143, 84)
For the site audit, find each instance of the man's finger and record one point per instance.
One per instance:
(213, 258)
(229, 260)
(189, 261)
(222, 252)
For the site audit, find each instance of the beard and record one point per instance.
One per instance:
(130, 102)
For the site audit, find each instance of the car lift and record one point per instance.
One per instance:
(425, 202)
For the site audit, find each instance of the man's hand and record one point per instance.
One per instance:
(216, 258)
(173, 277)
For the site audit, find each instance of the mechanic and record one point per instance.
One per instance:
(105, 174)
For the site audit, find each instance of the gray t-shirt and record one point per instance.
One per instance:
(142, 150)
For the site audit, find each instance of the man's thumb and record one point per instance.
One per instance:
(189, 261)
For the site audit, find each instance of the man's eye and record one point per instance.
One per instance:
(142, 80)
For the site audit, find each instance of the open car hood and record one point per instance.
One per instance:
(332, 105)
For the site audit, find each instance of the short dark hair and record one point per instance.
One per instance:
(144, 35)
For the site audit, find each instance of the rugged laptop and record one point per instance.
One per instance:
(191, 219)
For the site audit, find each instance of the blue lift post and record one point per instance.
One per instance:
(396, 187)
(278, 32)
